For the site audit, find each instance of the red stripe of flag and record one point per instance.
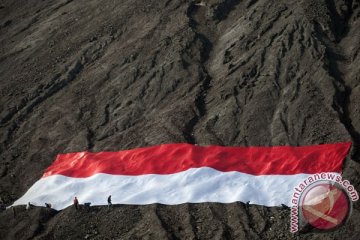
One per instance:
(174, 158)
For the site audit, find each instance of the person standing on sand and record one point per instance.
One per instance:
(14, 211)
(109, 201)
(76, 203)
(28, 206)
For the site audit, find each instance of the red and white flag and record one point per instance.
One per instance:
(184, 173)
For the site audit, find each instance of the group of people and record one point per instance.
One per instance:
(76, 203)
(48, 205)
(29, 205)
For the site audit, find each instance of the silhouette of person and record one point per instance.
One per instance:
(109, 201)
(76, 203)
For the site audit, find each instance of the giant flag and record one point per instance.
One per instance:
(184, 173)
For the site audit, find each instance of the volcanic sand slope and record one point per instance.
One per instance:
(110, 75)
